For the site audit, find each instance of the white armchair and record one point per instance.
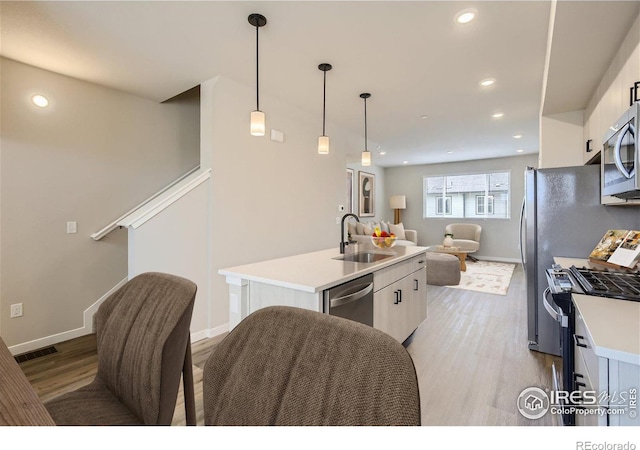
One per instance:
(465, 235)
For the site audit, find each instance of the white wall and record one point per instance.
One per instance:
(175, 241)
(561, 140)
(499, 239)
(269, 199)
(89, 157)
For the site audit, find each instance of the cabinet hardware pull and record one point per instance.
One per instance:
(580, 384)
(577, 375)
(400, 296)
(416, 285)
(397, 297)
(576, 338)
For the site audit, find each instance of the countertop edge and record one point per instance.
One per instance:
(257, 279)
(604, 351)
(232, 272)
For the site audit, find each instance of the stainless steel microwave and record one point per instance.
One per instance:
(620, 159)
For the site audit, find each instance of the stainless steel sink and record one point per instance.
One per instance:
(365, 257)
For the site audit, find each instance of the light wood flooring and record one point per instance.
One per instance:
(472, 359)
(470, 355)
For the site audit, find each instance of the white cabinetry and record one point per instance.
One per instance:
(400, 298)
(614, 382)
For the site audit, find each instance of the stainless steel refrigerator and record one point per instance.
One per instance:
(561, 216)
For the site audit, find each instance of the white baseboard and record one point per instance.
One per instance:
(499, 259)
(86, 328)
(209, 333)
(91, 311)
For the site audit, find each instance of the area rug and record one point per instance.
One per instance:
(486, 276)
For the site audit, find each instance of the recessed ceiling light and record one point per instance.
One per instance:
(497, 115)
(383, 153)
(517, 136)
(405, 162)
(487, 82)
(40, 100)
(424, 116)
(466, 15)
(450, 151)
(519, 150)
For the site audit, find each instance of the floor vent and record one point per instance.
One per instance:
(35, 354)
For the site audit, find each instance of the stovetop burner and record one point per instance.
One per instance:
(620, 285)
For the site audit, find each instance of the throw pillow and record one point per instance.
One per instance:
(368, 231)
(398, 230)
(384, 226)
(359, 228)
(351, 227)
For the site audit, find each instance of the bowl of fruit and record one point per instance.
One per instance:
(383, 239)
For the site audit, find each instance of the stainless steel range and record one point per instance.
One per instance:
(620, 285)
(558, 303)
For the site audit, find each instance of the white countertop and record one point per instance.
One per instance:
(317, 271)
(614, 325)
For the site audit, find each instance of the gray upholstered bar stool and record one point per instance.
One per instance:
(142, 332)
(290, 366)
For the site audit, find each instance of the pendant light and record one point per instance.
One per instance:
(323, 141)
(366, 155)
(257, 116)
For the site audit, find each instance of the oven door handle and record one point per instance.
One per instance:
(562, 319)
(628, 128)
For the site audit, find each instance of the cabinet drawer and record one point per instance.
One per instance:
(384, 277)
(596, 368)
(590, 384)
(581, 373)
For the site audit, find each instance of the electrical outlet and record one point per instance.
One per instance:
(16, 310)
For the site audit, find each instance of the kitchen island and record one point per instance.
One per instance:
(302, 280)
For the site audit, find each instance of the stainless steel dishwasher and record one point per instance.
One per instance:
(352, 300)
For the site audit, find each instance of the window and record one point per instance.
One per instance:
(484, 203)
(443, 205)
(477, 195)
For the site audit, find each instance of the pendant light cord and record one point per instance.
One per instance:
(365, 125)
(257, 72)
(324, 100)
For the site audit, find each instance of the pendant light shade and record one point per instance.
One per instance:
(257, 123)
(257, 116)
(366, 158)
(323, 145)
(323, 141)
(366, 155)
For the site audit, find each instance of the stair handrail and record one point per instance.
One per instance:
(118, 222)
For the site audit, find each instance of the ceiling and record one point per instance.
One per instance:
(411, 56)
